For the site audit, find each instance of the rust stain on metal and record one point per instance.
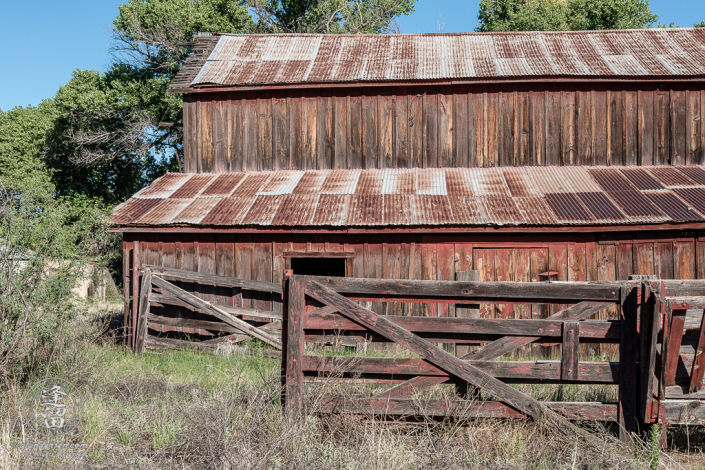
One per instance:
(670, 176)
(164, 186)
(693, 196)
(500, 211)
(296, 210)
(331, 209)
(229, 211)
(310, 183)
(407, 197)
(163, 212)
(132, 209)
(672, 206)
(252, 184)
(458, 182)
(192, 187)
(641, 179)
(223, 185)
(600, 206)
(296, 58)
(566, 206)
(196, 211)
(263, 210)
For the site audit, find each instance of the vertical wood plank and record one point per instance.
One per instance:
(281, 131)
(631, 128)
(237, 134)
(251, 137)
(678, 125)
(646, 127)
(568, 133)
(694, 148)
(445, 129)
(401, 131)
(643, 259)
(538, 128)
(506, 130)
(663, 130)
(523, 126)
(206, 144)
(355, 133)
(553, 128)
(206, 264)
(309, 133)
(684, 260)
(615, 131)
(484, 263)
(264, 113)
(504, 272)
(325, 137)
(539, 264)
(466, 310)
(430, 130)
(479, 111)
(243, 267)
(340, 134)
(492, 126)
(278, 268)
(374, 266)
(416, 131)
(296, 310)
(663, 260)
(220, 134)
(190, 126)
(369, 131)
(570, 350)
(295, 134)
(461, 130)
(262, 270)
(626, 262)
(386, 131)
(429, 271)
(584, 128)
(599, 126)
(225, 266)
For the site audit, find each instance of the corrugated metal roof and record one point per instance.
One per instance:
(423, 197)
(247, 60)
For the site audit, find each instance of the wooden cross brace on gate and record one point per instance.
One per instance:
(434, 355)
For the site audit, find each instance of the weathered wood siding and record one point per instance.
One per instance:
(446, 126)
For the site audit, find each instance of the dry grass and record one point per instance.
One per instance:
(178, 409)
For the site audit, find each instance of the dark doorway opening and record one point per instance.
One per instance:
(319, 266)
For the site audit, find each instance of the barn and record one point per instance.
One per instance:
(525, 156)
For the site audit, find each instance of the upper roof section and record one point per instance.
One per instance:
(298, 59)
(466, 197)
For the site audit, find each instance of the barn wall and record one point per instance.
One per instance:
(446, 126)
(576, 257)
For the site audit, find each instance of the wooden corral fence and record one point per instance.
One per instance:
(159, 288)
(316, 307)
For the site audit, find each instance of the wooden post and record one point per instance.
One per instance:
(296, 309)
(135, 291)
(570, 353)
(466, 310)
(696, 375)
(628, 361)
(141, 331)
(286, 279)
(126, 277)
(674, 343)
(648, 336)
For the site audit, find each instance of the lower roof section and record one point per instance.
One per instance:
(433, 199)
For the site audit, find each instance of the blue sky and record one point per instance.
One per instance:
(46, 40)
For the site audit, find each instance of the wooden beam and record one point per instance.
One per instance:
(318, 254)
(190, 323)
(590, 411)
(542, 292)
(603, 329)
(696, 375)
(648, 335)
(135, 291)
(204, 278)
(508, 344)
(145, 291)
(214, 310)
(446, 361)
(515, 371)
(411, 387)
(252, 312)
(296, 310)
(570, 353)
(674, 344)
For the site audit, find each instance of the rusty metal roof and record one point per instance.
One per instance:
(522, 196)
(252, 60)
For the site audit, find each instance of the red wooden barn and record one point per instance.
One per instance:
(418, 156)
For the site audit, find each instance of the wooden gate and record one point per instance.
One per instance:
(339, 313)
